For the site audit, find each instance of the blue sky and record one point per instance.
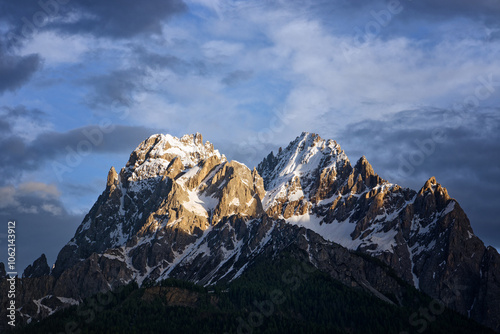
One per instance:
(413, 86)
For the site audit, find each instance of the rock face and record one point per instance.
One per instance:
(39, 268)
(180, 209)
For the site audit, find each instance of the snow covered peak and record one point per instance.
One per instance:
(307, 154)
(153, 156)
(294, 172)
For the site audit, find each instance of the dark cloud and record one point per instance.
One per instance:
(461, 149)
(450, 8)
(154, 60)
(116, 88)
(422, 19)
(16, 70)
(20, 154)
(31, 197)
(12, 113)
(5, 126)
(120, 87)
(42, 223)
(236, 77)
(419, 9)
(123, 18)
(115, 138)
(111, 18)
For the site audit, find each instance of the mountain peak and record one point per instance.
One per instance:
(364, 165)
(38, 268)
(432, 186)
(306, 153)
(153, 156)
(366, 172)
(300, 173)
(197, 138)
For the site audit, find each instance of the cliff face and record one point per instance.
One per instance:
(180, 209)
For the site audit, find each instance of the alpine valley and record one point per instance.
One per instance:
(183, 240)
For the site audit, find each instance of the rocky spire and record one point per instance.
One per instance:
(38, 268)
(431, 197)
(112, 180)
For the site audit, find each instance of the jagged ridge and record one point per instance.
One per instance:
(180, 209)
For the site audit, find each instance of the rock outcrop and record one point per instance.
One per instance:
(39, 268)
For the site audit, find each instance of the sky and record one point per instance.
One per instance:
(412, 85)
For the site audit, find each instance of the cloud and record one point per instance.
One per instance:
(22, 111)
(122, 19)
(116, 88)
(236, 77)
(42, 223)
(56, 49)
(16, 70)
(449, 8)
(413, 10)
(145, 72)
(112, 18)
(22, 122)
(20, 154)
(217, 49)
(35, 28)
(153, 60)
(31, 197)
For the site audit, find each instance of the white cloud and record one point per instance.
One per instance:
(31, 198)
(56, 49)
(43, 190)
(53, 209)
(298, 65)
(25, 125)
(7, 194)
(381, 77)
(216, 49)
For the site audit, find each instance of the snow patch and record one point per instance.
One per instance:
(338, 232)
(449, 208)
(69, 301)
(195, 204)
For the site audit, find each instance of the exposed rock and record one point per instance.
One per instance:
(38, 268)
(112, 180)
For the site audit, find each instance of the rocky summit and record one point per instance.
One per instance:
(179, 209)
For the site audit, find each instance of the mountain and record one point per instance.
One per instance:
(179, 209)
(425, 236)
